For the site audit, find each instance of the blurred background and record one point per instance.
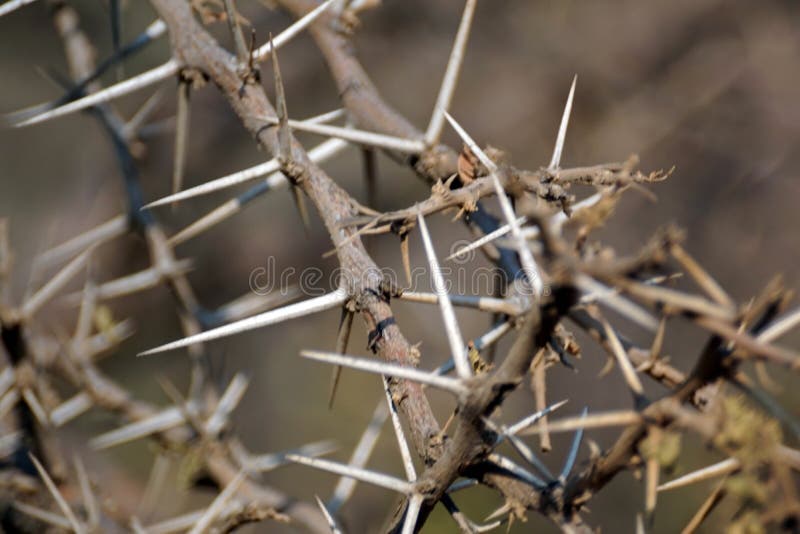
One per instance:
(708, 86)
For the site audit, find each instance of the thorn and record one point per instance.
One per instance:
(89, 499)
(108, 230)
(284, 133)
(555, 161)
(526, 258)
(361, 137)
(158, 422)
(268, 462)
(328, 517)
(289, 33)
(181, 134)
(292, 311)
(227, 404)
(400, 371)
(345, 487)
(60, 501)
(412, 513)
(491, 236)
(242, 52)
(147, 78)
(370, 165)
(651, 482)
(521, 473)
(55, 284)
(320, 153)
(725, 467)
(370, 477)
(13, 5)
(402, 442)
(463, 367)
(342, 338)
(300, 203)
(405, 257)
(631, 378)
(597, 420)
(450, 80)
(70, 409)
(573, 452)
(532, 419)
(218, 505)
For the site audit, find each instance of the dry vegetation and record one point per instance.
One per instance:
(559, 293)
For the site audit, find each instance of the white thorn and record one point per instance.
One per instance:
(218, 505)
(13, 5)
(60, 501)
(381, 368)
(300, 309)
(555, 161)
(289, 33)
(526, 258)
(402, 443)
(451, 75)
(328, 517)
(362, 137)
(412, 513)
(718, 469)
(364, 475)
(320, 153)
(457, 352)
(155, 75)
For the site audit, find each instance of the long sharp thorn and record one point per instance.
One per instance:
(573, 452)
(284, 133)
(242, 52)
(450, 80)
(292, 311)
(268, 462)
(400, 371)
(780, 327)
(526, 258)
(289, 33)
(463, 367)
(599, 420)
(155, 75)
(218, 505)
(342, 338)
(405, 257)
(412, 513)
(518, 471)
(369, 438)
(55, 284)
(623, 361)
(364, 475)
(100, 234)
(328, 517)
(706, 508)
(302, 210)
(533, 418)
(555, 161)
(164, 420)
(361, 137)
(43, 515)
(227, 404)
(181, 134)
(89, 499)
(60, 501)
(651, 482)
(724, 467)
(13, 5)
(402, 443)
(318, 154)
(488, 238)
(164, 71)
